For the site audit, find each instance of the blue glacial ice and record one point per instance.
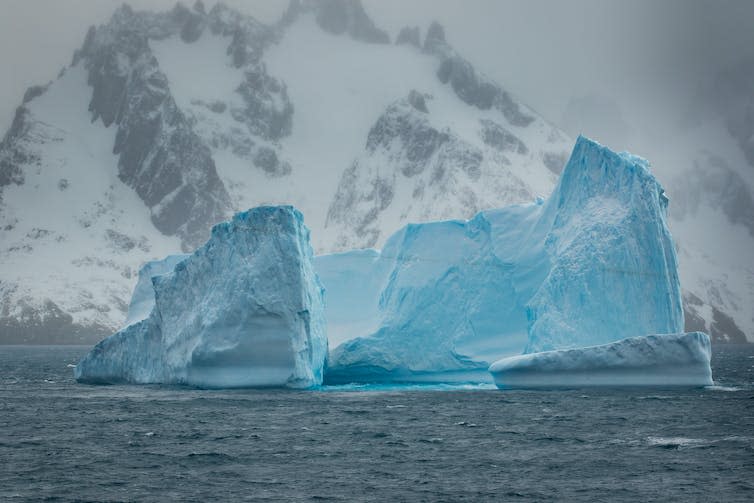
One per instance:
(654, 360)
(142, 299)
(593, 264)
(244, 310)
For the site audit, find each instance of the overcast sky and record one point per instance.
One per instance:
(647, 58)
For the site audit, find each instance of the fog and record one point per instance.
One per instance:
(622, 72)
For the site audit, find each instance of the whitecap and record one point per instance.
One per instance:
(675, 442)
(722, 388)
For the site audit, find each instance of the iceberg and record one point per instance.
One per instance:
(593, 264)
(653, 360)
(244, 310)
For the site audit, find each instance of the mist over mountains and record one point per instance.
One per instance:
(167, 122)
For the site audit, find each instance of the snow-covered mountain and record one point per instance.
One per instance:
(709, 170)
(166, 123)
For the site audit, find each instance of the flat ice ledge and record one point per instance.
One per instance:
(653, 360)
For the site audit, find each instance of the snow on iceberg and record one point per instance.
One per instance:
(593, 264)
(246, 309)
(653, 360)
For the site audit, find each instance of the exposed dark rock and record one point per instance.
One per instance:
(417, 139)
(473, 88)
(723, 329)
(268, 112)
(46, 325)
(217, 107)
(267, 159)
(119, 241)
(338, 17)
(348, 16)
(14, 151)
(496, 136)
(422, 154)
(409, 35)
(434, 42)
(511, 110)
(467, 159)
(555, 161)
(160, 156)
(462, 77)
(418, 101)
(478, 91)
(33, 92)
(193, 24)
(37, 233)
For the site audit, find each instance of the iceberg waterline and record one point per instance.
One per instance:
(666, 360)
(592, 265)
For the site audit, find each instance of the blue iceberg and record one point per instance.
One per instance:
(244, 310)
(142, 299)
(574, 284)
(593, 264)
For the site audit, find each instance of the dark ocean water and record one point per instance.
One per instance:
(61, 441)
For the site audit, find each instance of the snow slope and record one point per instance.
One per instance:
(72, 233)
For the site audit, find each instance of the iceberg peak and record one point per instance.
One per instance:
(246, 309)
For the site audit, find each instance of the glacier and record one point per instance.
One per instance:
(593, 264)
(244, 310)
(654, 360)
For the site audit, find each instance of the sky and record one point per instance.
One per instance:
(641, 62)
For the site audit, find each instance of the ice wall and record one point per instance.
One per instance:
(593, 264)
(613, 269)
(245, 309)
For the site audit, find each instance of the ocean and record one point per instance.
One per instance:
(63, 441)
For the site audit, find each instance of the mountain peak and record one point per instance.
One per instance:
(338, 17)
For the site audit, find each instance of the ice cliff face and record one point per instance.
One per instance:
(613, 268)
(593, 264)
(245, 309)
(655, 360)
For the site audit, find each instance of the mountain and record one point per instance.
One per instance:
(710, 173)
(166, 123)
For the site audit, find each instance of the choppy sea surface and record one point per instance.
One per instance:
(63, 441)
